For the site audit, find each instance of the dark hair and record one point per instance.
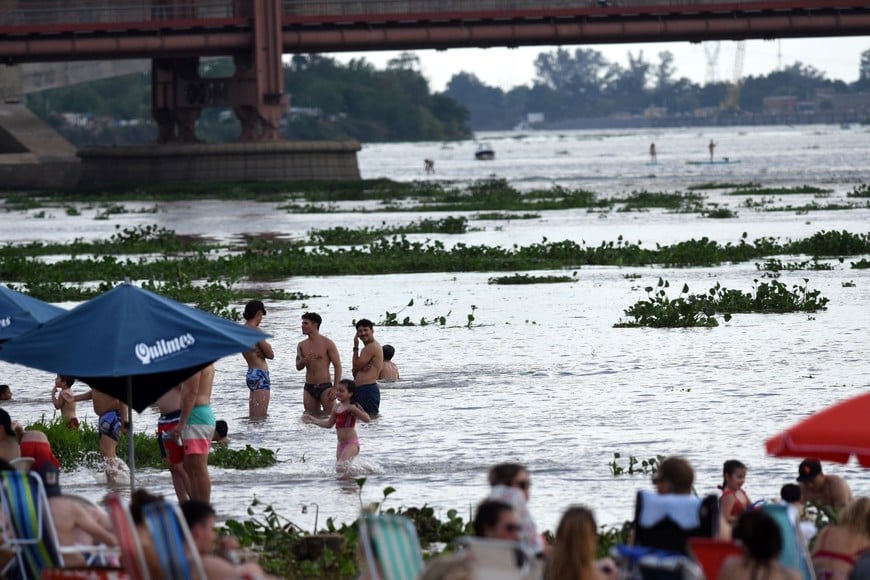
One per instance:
(252, 308)
(759, 534)
(68, 380)
(730, 467)
(313, 317)
(351, 388)
(505, 473)
(487, 515)
(4, 388)
(389, 351)
(678, 473)
(790, 492)
(221, 428)
(364, 323)
(138, 500)
(196, 512)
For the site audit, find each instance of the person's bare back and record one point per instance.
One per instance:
(170, 401)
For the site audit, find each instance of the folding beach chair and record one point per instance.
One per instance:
(663, 524)
(391, 547)
(132, 556)
(179, 558)
(499, 560)
(30, 530)
(710, 554)
(794, 548)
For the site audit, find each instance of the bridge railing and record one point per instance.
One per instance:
(39, 12)
(376, 7)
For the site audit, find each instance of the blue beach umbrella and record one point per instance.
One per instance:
(20, 313)
(131, 344)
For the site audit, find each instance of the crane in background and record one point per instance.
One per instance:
(731, 102)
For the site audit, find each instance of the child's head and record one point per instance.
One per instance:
(347, 386)
(221, 429)
(790, 493)
(64, 381)
(733, 474)
(389, 351)
(5, 393)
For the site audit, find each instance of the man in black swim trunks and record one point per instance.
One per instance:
(315, 354)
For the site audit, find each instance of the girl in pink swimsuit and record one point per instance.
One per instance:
(344, 415)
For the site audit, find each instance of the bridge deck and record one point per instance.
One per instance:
(45, 30)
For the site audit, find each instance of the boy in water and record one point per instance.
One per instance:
(257, 377)
(389, 370)
(65, 400)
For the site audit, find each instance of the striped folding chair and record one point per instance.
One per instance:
(391, 547)
(176, 551)
(132, 556)
(30, 530)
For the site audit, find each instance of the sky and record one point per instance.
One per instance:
(506, 68)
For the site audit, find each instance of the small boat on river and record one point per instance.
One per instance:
(484, 153)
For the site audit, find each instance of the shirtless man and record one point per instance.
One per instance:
(367, 367)
(389, 371)
(170, 447)
(64, 400)
(830, 490)
(196, 427)
(314, 354)
(257, 378)
(75, 524)
(113, 416)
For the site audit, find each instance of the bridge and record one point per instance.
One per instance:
(175, 34)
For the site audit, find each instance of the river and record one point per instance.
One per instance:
(540, 376)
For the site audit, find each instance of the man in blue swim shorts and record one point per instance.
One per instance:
(257, 377)
(367, 367)
(112, 415)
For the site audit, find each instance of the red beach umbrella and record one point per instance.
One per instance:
(833, 434)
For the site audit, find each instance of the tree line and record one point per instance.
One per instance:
(333, 100)
(582, 83)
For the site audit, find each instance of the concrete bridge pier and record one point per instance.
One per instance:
(32, 154)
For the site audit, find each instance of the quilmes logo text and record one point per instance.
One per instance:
(148, 353)
(5, 321)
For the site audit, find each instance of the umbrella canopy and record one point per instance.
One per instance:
(20, 313)
(833, 434)
(130, 334)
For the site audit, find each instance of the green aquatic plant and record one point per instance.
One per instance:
(699, 310)
(635, 465)
(500, 215)
(527, 279)
(345, 236)
(778, 190)
(719, 213)
(722, 185)
(776, 265)
(861, 190)
(861, 264)
(76, 447)
(682, 202)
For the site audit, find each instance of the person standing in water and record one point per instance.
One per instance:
(257, 377)
(344, 414)
(64, 400)
(652, 153)
(314, 354)
(367, 367)
(711, 148)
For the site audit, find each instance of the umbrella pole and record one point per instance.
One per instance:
(130, 445)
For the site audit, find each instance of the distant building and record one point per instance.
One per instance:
(840, 103)
(780, 105)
